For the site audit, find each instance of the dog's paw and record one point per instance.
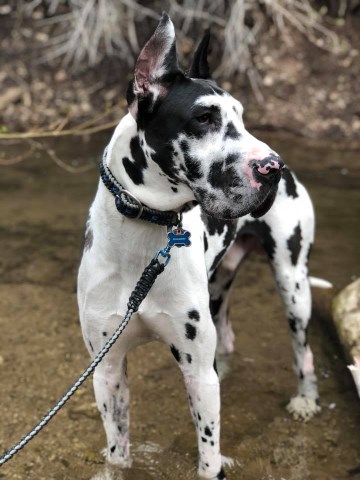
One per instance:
(116, 460)
(303, 408)
(210, 476)
(227, 461)
(108, 473)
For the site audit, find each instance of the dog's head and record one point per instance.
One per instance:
(196, 132)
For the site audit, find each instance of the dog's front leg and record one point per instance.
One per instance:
(112, 398)
(195, 355)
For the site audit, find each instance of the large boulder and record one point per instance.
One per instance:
(346, 313)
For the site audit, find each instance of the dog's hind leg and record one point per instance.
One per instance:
(289, 258)
(294, 286)
(220, 286)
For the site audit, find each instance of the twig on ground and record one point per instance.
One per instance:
(7, 162)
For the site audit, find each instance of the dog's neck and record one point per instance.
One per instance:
(149, 183)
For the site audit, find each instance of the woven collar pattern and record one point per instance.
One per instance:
(130, 206)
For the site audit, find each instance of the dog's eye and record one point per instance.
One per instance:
(204, 119)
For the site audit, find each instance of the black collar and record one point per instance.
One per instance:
(130, 206)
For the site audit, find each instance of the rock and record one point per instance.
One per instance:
(88, 410)
(10, 95)
(346, 313)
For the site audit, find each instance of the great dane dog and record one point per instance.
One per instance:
(183, 147)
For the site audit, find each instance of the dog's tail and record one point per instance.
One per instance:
(320, 283)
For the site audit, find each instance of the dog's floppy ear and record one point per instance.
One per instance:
(200, 67)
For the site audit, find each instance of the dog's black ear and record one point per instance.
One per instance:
(157, 60)
(200, 67)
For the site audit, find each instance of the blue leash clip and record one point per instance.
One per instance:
(178, 237)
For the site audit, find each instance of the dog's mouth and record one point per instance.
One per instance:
(266, 204)
(235, 206)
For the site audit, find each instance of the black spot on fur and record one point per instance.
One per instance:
(91, 347)
(199, 417)
(175, 353)
(221, 474)
(206, 244)
(188, 357)
(212, 443)
(263, 232)
(293, 324)
(215, 367)
(290, 184)
(204, 439)
(190, 331)
(173, 182)
(217, 259)
(117, 386)
(217, 226)
(223, 177)
(119, 428)
(208, 432)
(215, 306)
(137, 154)
(104, 334)
(215, 174)
(194, 315)
(297, 286)
(231, 131)
(105, 407)
(309, 252)
(174, 189)
(133, 172)
(112, 449)
(294, 244)
(193, 170)
(231, 159)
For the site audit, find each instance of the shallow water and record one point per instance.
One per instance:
(42, 212)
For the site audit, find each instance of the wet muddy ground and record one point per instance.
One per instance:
(42, 212)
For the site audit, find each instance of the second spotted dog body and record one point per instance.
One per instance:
(182, 147)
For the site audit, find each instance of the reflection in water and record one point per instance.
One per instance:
(151, 461)
(108, 473)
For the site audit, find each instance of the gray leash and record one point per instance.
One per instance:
(142, 288)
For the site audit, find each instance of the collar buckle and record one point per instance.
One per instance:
(135, 200)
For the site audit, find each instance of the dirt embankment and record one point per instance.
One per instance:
(306, 90)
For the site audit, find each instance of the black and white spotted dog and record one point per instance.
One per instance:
(183, 146)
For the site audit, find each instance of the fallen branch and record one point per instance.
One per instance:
(7, 162)
(58, 133)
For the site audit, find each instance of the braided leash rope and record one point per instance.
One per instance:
(128, 205)
(140, 291)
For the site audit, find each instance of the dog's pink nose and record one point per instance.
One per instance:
(269, 165)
